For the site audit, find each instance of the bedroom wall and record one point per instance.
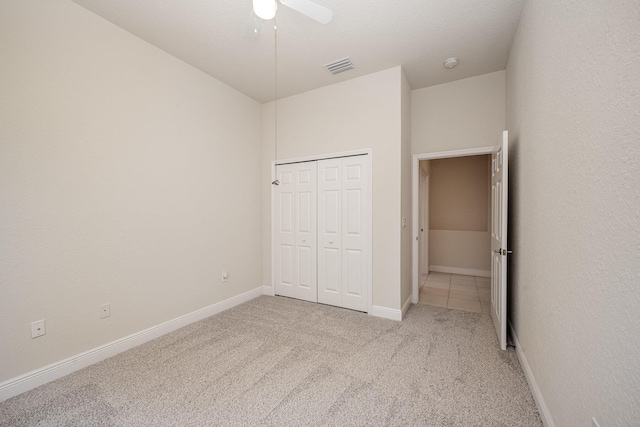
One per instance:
(573, 109)
(361, 113)
(467, 113)
(126, 177)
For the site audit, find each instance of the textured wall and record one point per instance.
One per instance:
(126, 176)
(573, 109)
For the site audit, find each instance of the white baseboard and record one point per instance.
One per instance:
(385, 313)
(405, 307)
(543, 409)
(268, 290)
(38, 377)
(456, 270)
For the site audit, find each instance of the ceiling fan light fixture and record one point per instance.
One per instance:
(265, 9)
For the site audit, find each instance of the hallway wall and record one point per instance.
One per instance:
(459, 202)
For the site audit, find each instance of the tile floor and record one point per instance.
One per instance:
(467, 293)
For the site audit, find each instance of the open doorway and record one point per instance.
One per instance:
(454, 241)
(498, 249)
(456, 200)
(452, 211)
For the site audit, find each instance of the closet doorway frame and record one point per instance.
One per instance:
(369, 257)
(415, 205)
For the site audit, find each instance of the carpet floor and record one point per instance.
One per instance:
(275, 361)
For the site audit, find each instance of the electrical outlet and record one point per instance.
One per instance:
(225, 276)
(105, 311)
(37, 329)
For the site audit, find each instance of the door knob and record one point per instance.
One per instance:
(504, 252)
(304, 240)
(330, 242)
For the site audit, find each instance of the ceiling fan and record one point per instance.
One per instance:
(264, 10)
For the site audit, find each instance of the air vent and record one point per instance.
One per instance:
(340, 66)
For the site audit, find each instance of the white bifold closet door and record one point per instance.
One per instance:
(343, 241)
(321, 241)
(296, 232)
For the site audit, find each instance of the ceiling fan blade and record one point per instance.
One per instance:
(254, 26)
(311, 9)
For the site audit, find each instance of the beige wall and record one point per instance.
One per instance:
(459, 214)
(364, 112)
(406, 192)
(126, 176)
(573, 111)
(467, 113)
(459, 193)
(461, 252)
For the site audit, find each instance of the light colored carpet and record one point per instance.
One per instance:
(275, 361)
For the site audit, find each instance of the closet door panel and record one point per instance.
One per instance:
(354, 233)
(305, 250)
(329, 232)
(353, 273)
(285, 237)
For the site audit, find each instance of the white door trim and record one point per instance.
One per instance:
(415, 200)
(368, 152)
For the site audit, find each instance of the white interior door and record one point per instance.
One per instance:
(499, 191)
(330, 232)
(296, 239)
(355, 267)
(343, 240)
(306, 244)
(423, 251)
(284, 231)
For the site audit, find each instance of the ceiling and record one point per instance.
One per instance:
(376, 34)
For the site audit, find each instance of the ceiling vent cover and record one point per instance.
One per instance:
(340, 65)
